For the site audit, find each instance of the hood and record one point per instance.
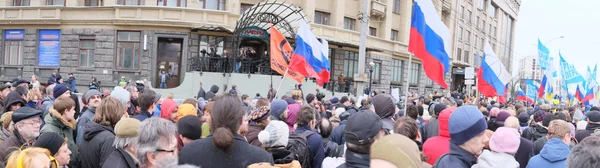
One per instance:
(93, 129)
(281, 155)
(56, 119)
(166, 108)
(252, 133)
(555, 150)
(12, 98)
(186, 110)
(443, 122)
(538, 129)
(292, 114)
(214, 89)
(489, 159)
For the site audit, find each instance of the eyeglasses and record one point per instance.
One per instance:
(163, 150)
(33, 122)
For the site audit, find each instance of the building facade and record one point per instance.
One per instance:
(528, 69)
(474, 23)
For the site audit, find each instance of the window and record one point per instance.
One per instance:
(397, 70)
(482, 4)
(92, 3)
(172, 3)
(350, 63)
(86, 52)
(396, 8)
(483, 25)
(462, 12)
(477, 22)
(217, 43)
(20, 2)
(13, 47)
(493, 10)
(428, 82)
(490, 29)
(377, 71)
(476, 41)
(477, 59)
(55, 2)
(213, 4)
(469, 16)
(372, 31)
(394, 35)
(244, 7)
(460, 30)
(128, 50)
(481, 42)
(130, 2)
(468, 37)
(494, 32)
(415, 70)
(466, 55)
(349, 23)
(321, 18)
(458, 53)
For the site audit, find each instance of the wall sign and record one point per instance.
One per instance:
(255, 32)
(49, 48)
(14, 34)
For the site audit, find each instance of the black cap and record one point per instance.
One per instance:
(190, 127)
(22, 81)
(310, 97)
(361, 127)
(438, 108)
(51, 141)
(25, 113)
(22, 90)
(593, 116)
(344, 99)
(4, 86)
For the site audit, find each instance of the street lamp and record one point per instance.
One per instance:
(548, 42)
(371, 66)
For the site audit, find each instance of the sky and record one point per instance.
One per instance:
(577, 20)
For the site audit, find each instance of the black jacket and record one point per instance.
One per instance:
(430, 129)
(281, 155)
(356, 160)
(201, 93)
(524, 153)
(214, 89)
(143, 115)
(337, 135)
(589, 129)
(539, 144)
(204, 153)
(120, 159)
(534, 132)
(97, 145)
(457, 158)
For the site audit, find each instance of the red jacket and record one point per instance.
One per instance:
(439, 145)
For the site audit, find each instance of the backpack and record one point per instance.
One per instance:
(336, 152)
(298, 145)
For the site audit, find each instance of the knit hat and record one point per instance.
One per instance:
(51, 141)
(361, 127)
(438, 108)
(339, 111)
(310, 97)
(398, 150)
(494, 111)
(260, 114)
(502, 116)
(276, 134)
(292, 114)
(334, 100)
(539, 115)
(523, 118)
(278, 106)
(289, 100)
(59, 89)
(505, 140)
(22, 90)
(166, 108)
(593, 116)
(120, 94)
(127, 128)
(25, 113)
(384, 105)
(465, 123)
(190, 127)
(185, 110)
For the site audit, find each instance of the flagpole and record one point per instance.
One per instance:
(281, 82)
(407, 80)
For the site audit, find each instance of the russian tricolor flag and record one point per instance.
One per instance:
(589, 95)
(492, 75)
(578, 94)
(542, 86)
(429, 41)
(522, 96)
(309, 59)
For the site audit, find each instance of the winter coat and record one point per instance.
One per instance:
(589, 129)
(201, 93)
(85, 118)
(55, 123)
(143, 115)
(538, 145)
(524, 153)
(1, 106)
(233, 91)
(335, 161)
(14, 142)
(98, 144)
(490, 159)
(534, 132)
(457, 158)
(356, 160)
(247, 107)
(329, 147)
(388, 125)
(77, 107)
(252, 135)
(553, 155)
(337, 135)
(132, 110)
(430, 129)
(214, 89)
(120, 159)
(240, 154)
(4, 134)
(284, 158)
(46, 106)
(315, 145)
(437, 146)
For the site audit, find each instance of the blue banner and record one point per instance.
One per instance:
(532, 88)
(49, 48)
(543, 56)
(14, 34)
(570, 75)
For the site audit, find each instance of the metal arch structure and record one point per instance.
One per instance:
(284, 17)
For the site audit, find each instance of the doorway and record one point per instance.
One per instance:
(168, 62)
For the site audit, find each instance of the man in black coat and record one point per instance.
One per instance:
(593, 119)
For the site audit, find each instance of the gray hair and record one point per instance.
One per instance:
(49, 89)
(121, 143)
(130, 88)
(171, 162)
(585, 154)
(152, 132)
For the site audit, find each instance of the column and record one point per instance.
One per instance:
(338, 11)
(309, 9)
(387, 24)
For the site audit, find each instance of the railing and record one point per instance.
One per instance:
(231, 65)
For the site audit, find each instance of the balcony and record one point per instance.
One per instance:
(446, 7)
(117, 15)
(378, 8)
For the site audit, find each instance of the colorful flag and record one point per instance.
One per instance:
(281, 54)
(532, 87)
(309, 59)
(543, 56)
(430, 41)
(493, 76)
(570, 75)
(578, 94)
(522, 96)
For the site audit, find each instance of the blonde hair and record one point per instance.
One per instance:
(558, 129)
(34, 93)
(170, 96)
(109, 112)
(23, 158)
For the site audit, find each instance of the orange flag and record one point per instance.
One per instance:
(281, 55)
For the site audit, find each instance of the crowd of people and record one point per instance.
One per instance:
(133, 126)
